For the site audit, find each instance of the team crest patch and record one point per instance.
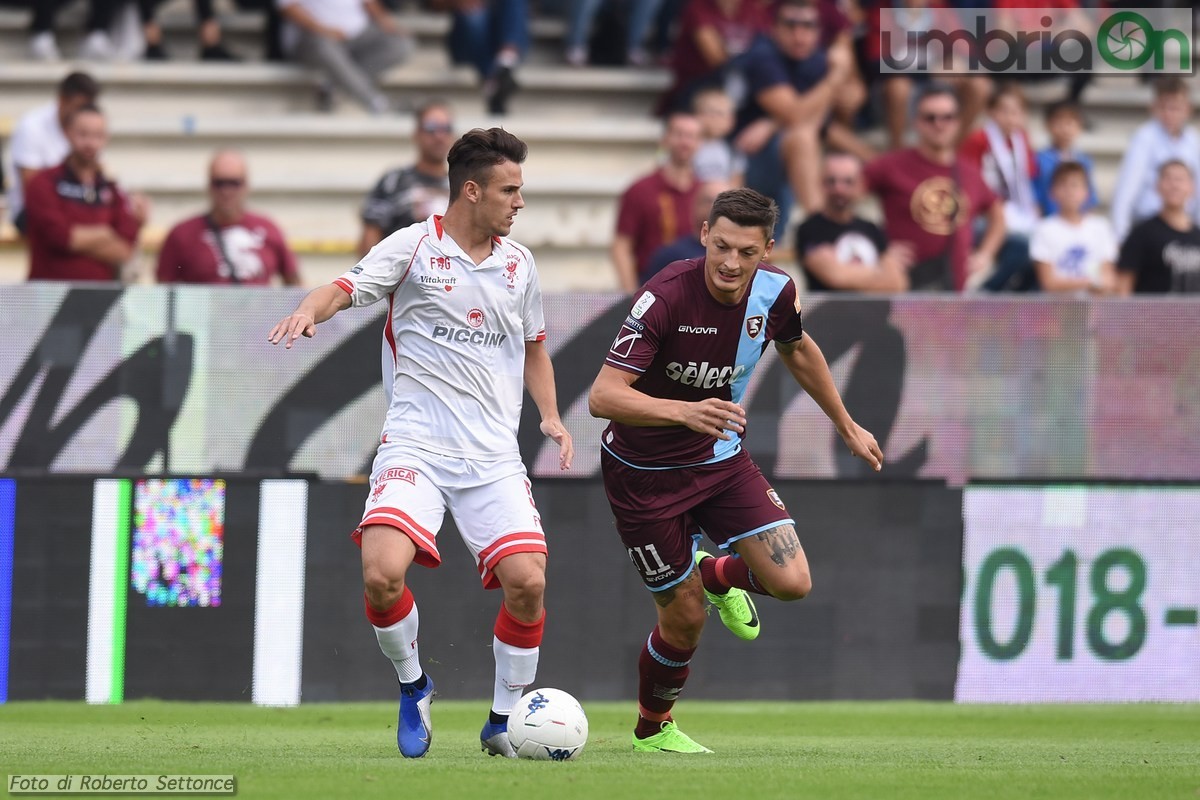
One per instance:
(510, 272)
(475, 317)
(754, 326)
(773, 496)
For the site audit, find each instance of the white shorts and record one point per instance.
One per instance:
(491, 502)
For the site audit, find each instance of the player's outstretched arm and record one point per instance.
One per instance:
(317, 306)
(539, 380)
(614, 397)
(807, 364)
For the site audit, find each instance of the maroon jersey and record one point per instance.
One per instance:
(253, 248)
(685, 345)
(57, 201)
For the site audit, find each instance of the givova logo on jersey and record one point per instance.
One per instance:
(704, 375)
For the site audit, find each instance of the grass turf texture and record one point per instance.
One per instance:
(763, 750)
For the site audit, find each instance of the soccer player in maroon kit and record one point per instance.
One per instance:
(672, 458)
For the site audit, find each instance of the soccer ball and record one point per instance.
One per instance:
(548, 725)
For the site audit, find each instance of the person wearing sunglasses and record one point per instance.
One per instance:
(410, 194)
(931, 194)
(227, 243)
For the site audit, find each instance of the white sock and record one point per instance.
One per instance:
(515, 670)
(399, 643)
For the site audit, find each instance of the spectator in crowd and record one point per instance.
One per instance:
(39, 140)
(97, 45)
(931, 195)
(353, 42)
(716, 160)
(492, 36)
(411, 194)
(1064, 122)
(656, 209)
(788, 86)
(916, 18)
(1162, 254)
(227, 243)
(640, 16)
(1000, 149)
(1021, 15)
(688, 244)
(711, 32)
(839, 250)
(81, 226)
(837, 32)
(208, 31)
(1166, 137)
(1073, 251)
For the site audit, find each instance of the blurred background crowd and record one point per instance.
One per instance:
(640, 112)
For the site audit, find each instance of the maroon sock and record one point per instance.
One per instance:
(662, 671)
(721, 574)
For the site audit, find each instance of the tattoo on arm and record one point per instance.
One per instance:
(782, 542)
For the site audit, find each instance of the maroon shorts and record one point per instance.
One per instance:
(660, 512)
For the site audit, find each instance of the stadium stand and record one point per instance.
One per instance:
(590, 132)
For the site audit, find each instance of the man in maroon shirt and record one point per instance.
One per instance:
(657, 209)
(672, 459)
(228, 244)
(81, 226)
(931, 196)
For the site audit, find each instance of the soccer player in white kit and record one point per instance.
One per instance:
(464, 330)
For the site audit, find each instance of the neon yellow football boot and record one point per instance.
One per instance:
(669, 739)
(735, 607)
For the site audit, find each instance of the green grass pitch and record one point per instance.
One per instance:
(822, 751)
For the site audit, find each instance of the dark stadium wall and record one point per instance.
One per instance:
(882, 621)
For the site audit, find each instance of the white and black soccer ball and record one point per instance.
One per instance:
(548, 725)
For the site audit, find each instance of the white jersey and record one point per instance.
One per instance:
(38, 142)
(1074, 251)
(454, 339)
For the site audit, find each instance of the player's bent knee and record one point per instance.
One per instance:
(382, 589)
(793, 586)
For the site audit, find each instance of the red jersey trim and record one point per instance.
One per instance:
(388, 333)
(345, 285)
(437, 225)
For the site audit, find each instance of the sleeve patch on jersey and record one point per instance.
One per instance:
(642, 305)
(633, 323)
(622, 346)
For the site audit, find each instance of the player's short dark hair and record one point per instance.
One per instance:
(1065, 170)
(747, 208)
(477, 151)
(1169, 86)
(935, 89)
(79, 84)
(86, 108)
(1062, 108)
(1174, 162)
(1005, 89)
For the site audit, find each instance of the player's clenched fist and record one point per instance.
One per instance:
(715, 417)
(291, 328)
